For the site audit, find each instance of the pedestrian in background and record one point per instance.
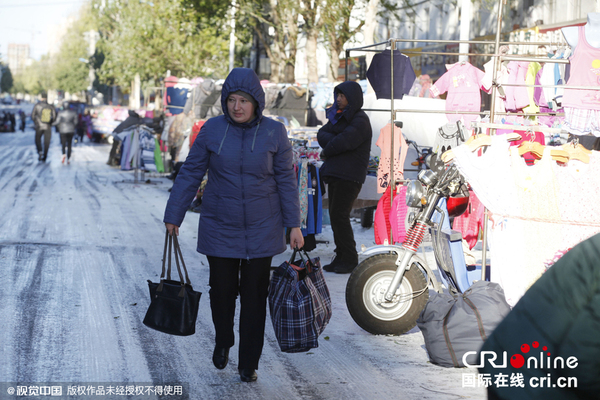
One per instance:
(250, 197)
(346, 144)
(43, 116)
(22, 118)
(13, 122)
(66, 123)
(87, 124)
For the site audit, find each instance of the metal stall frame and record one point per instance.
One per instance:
(498, 57)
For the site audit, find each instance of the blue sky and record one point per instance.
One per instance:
(27, 21)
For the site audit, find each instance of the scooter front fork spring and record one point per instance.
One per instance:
(414, 236)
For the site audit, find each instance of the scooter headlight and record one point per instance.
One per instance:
(414, 193)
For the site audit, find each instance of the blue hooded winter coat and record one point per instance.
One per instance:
(251, 193)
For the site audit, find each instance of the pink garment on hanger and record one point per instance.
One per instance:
(462, 81)
(469, 223)
(585, 71)
(381, 220)
(528, 136)
(400, 149)
(398, 215)
(517, 97)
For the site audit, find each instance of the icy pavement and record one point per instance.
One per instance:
(77, 245)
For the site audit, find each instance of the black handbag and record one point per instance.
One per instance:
(173, 304)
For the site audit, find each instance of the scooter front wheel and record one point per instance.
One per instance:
(366, 289)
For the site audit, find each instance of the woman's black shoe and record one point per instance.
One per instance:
(248, 375)
(220, 357)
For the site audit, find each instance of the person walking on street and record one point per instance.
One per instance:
(22, 118)
(250, 197)
(43, 116)
(13, 122)
(87, 124)
(66, 123)
(346, 144)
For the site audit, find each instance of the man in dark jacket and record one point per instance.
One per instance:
(66, 123)
(43, 115)
(346, 143)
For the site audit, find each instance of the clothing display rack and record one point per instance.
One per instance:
(139, 174)
(137, 171)
(497, 57)
(537, 128)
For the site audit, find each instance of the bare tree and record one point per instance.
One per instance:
(338, 32)
(275, 22)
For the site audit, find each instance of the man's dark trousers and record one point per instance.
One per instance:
(47, 133)
(341, 194)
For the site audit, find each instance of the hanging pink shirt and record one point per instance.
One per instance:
(585, 71)
(400, 148)
(517, 97)
(462, 81)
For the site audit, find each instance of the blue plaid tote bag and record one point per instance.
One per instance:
(300, 304)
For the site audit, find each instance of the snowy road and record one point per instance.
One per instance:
(77, 245)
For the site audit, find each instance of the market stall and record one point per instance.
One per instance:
(533, 106)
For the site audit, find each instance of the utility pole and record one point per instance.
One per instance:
(232, 36)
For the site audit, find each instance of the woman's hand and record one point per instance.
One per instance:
(172, 229)
(296, 239)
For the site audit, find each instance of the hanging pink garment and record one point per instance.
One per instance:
(469, 223)
(400, 149)
(517, 97)
(527, 136)
(462, 81)
(585, 71)
(381, 220)
(398, 215)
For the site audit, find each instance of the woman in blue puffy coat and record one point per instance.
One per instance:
(250, 197)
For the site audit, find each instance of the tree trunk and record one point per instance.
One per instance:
(335, 63)
(292, 47)
(274, 78)
(311, 56)
(369, 32)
